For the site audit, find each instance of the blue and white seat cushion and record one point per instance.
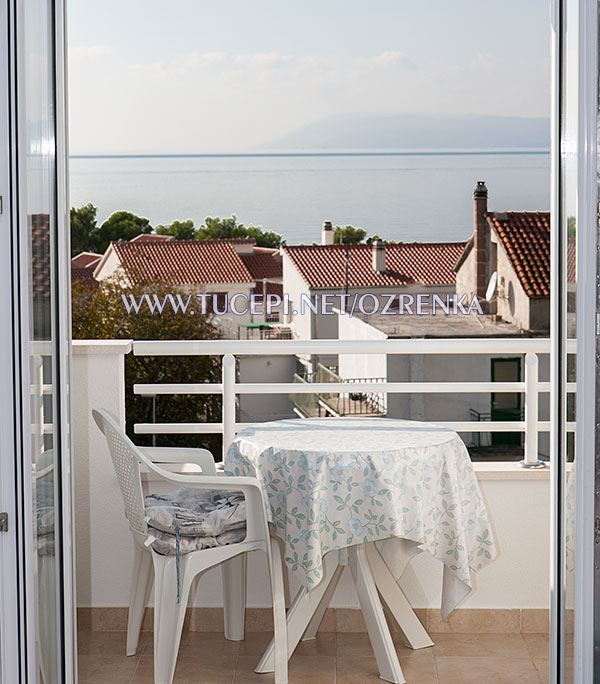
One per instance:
(189, 519)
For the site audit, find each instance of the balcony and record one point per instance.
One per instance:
(509, 608)
(337, 403)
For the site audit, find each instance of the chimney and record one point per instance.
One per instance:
(480, 238)
(327, 233)
(379, 256)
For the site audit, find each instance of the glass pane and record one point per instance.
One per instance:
(568, 228)
(38, 180)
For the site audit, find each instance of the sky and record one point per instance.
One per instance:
(192, 76)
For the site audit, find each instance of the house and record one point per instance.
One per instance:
(223, 268)
(86, 260)
(433, 367)
(335, 275)
(377, 269)
(82, 268)
(508, 261)
(151, 237)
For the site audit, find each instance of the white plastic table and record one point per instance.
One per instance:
(334, 487)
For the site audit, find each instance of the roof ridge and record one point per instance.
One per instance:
(365, 245)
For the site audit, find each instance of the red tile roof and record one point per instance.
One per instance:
(151, 237)
(85, 276)
(40, 255)
(264, 263)
(86, 260)
(525, 237)
(183, 262)
(428, 263)
(572, 261)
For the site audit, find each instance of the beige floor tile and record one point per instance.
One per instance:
(255, 643)
(419, 669)
(191, 670)
(475, 670)
(106, 669)
(324, 645)
(480, 645)
(202, 644)
(542, 665)
(355, 644)
(109, 643)
(538, 645)
(302, 670)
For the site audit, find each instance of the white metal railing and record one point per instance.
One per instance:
(229, 388)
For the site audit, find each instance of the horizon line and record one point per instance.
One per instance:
(406, 153)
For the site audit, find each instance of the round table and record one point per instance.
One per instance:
(333, 484)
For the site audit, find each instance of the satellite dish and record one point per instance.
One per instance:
(490, 293)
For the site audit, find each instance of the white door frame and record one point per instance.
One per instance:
(578, 18)
(10, 641)
(586, 437)
(18, 559)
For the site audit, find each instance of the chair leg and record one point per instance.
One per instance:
(279, 615)
(234, 596)
(168, 615)
(141, 583)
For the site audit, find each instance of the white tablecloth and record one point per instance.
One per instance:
(334, 482)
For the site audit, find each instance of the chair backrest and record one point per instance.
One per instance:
(126, 461)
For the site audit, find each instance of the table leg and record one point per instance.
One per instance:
(415, 635)
(304, 606)
(379, 633)
(317, 618)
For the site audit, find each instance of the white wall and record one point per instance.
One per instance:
(108, 264)
(103, 540)
(294, 286)
(361, 365)
(263, 407)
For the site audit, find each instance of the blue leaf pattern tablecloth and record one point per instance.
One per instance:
(334, 482)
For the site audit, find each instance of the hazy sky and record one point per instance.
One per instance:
(150, 76)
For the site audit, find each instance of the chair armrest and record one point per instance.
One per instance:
(200, 457)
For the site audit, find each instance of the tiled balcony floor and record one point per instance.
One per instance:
(342, 658)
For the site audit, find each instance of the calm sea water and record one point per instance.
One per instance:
(419, 196)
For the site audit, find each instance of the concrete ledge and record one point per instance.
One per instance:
(91, 347)
(492, 470)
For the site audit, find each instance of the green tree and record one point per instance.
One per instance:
(99, 313)
(122, 225)
(348, 235)
(83, 229)
(216, 228)
(181, 230)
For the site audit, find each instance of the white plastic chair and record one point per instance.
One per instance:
(168, 613)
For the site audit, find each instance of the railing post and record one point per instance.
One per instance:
(531, 459)
(229, 418)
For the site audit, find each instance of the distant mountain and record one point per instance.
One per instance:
(420, 131)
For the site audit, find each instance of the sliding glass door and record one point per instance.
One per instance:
(576, 352)
(35, 456)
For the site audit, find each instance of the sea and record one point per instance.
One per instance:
(417, 195)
